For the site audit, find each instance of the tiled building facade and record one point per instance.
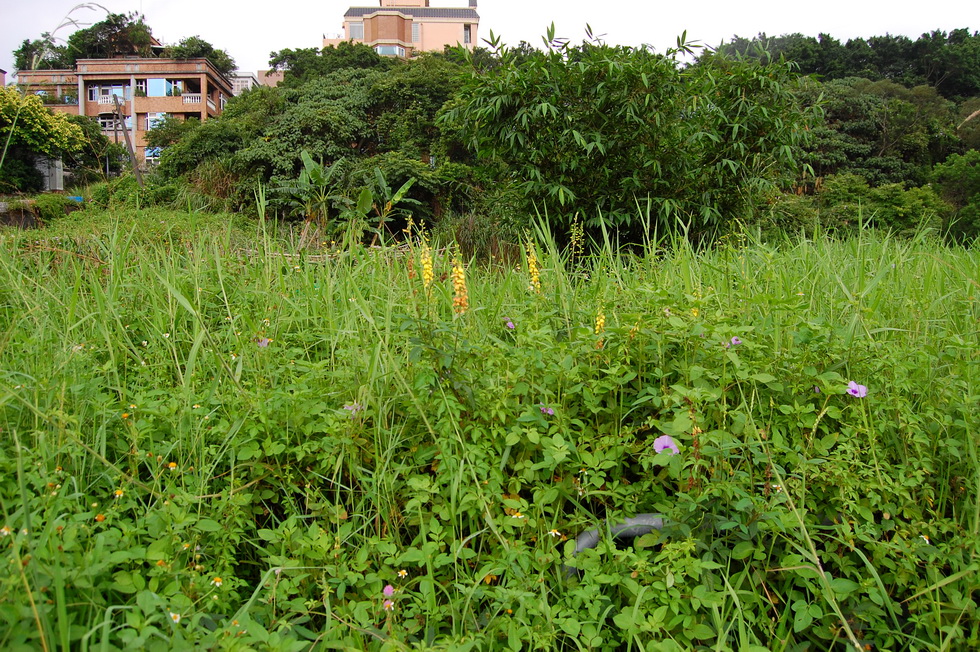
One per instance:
(147, 89)
(403, 28)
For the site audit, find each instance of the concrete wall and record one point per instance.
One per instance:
(436, 35)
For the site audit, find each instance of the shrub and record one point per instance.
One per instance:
(592, 130)
(50, 207)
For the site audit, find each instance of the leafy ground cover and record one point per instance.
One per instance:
(211, 438)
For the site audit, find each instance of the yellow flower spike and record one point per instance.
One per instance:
(600, 320)
(461, 300)
(427, 273)
(532, 268)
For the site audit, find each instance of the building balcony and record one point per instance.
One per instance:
(191, 98)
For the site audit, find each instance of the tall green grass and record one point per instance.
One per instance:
(213, 438)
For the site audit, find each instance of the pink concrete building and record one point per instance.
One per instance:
(147, 88)
(402, 28)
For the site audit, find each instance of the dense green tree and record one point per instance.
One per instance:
(882, 131)
(28, 130)
(117, 35)
(170, 130)
(968, 123)
(950, 62)
(42, 54)
(97, 157)
(958, 180)
(592, 130)
(403, 103)
(194, 47)
(307, 64)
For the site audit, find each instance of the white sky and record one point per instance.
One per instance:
(250, 29)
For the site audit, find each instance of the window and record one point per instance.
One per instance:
(390, 50)
(116, 90)
(156, 87)
(416, 32)
(93, 93)
(154, 120)
(467, 34)
(152, 152)
(140, 88)
(107, 121)
(356, 31)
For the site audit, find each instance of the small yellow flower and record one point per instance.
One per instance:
(174, 617)
(125, 415)
(172, 466)
(600, 320)
(119, 493)
(5, 531)
(554, 533)
(195, 406)
(217, 582)
(403, 573)
(517, 515)
(99, 518)
(695, 312)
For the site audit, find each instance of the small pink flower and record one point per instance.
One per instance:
(665, 443)
(388, 605)
(389, 590)
(860, 391)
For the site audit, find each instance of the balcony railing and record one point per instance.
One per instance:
(211, 104)
(107, 99)
(192, 98)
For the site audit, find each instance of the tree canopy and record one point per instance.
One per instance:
(948, 61)
(117, 35)
(194, 47)
(307, 64)
(594, 130)
(29, 130)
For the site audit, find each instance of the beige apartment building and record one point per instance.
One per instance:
(147, 89)
(403, 28)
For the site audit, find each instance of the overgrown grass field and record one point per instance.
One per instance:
(213, 439)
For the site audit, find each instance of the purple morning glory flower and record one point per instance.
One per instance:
(263, 342)
(510, 325)
(547, 410)
(736, 340)
(665, 443)
(354, 408)
(389, 590)
(854, 389)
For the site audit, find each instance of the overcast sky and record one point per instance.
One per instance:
(250, 29)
